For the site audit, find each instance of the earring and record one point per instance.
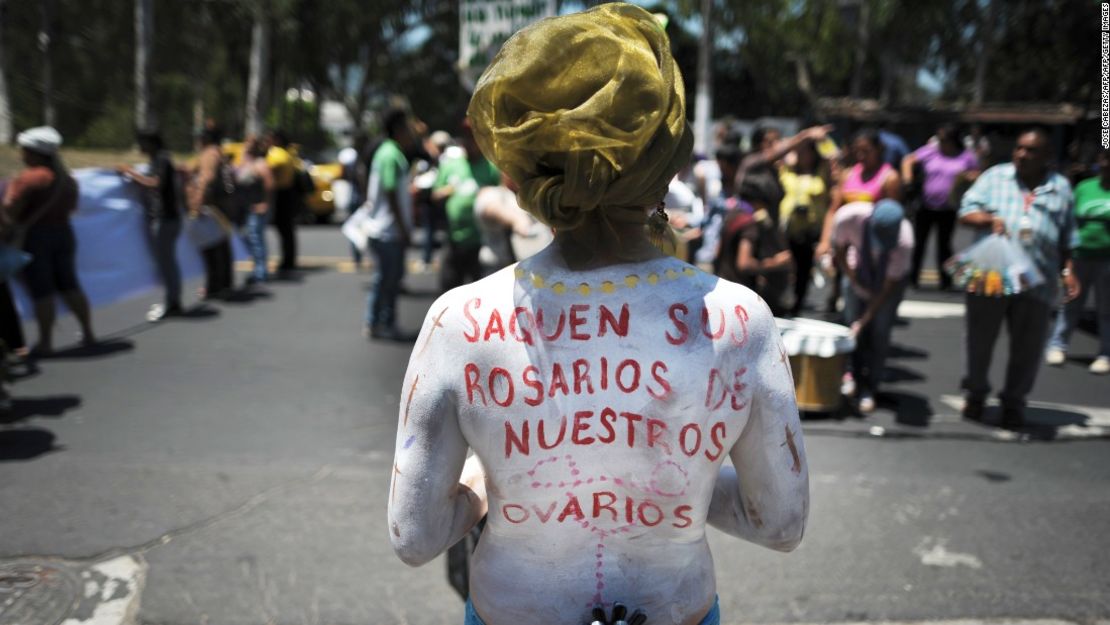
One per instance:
(657, 225)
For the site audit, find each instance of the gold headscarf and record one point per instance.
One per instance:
(587, 114)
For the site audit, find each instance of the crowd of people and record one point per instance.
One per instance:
(791, 212)
(211, 199)
(795, 211)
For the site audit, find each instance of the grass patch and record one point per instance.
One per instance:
(11, 162)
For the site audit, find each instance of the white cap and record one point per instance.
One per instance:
(441, 139)
(43, 139)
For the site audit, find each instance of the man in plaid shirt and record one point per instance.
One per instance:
(1025, 201)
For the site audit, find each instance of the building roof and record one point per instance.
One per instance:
(872, 111)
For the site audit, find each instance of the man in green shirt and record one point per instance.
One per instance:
(1091, 258)
(388, 229)
(463, 171)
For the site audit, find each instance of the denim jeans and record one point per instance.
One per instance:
(255, 233)
(381, 303)
(873, 342)
(1093, 275)
(164, 241)
(713, 617)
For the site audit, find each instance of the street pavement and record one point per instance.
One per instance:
(232, 468)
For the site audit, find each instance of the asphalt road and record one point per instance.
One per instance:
(244, 454)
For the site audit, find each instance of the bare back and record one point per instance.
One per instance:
(602, 405)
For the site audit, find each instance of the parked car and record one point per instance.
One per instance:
(321, 203)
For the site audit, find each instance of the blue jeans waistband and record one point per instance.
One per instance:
(713, 617)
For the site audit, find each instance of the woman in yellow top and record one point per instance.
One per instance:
(805, 184)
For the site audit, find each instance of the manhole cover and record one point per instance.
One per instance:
(37, 592)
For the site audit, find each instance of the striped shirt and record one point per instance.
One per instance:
(1049, 208)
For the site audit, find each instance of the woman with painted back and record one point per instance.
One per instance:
(604, 387)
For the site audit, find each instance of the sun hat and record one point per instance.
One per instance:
(42, 139)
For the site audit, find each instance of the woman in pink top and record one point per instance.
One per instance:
(869, 180)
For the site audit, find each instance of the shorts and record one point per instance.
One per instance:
(53, 266)
(713, 617)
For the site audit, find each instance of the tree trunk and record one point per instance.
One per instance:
(986, 45)
(259, 61)
(45, 36)
(5, 101)
(703, 104)
(144, 26)
(888, 75)
(863, 36)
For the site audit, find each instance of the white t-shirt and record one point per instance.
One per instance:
(848, 231)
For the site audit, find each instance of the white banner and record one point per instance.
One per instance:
(114, 259)
(485, 24)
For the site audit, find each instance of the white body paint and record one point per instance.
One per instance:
(616, 508)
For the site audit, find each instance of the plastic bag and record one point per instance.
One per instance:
(995, 266)
(357, 228)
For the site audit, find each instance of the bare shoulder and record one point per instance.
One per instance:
(453, 312)
(727, 293)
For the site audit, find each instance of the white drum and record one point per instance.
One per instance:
(817, 350)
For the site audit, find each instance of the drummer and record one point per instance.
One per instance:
(873, 244)
(601, 384)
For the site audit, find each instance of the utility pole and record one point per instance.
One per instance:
(5, 101)
(703, 103)
(863, 40)
(45, 35)
(986, 46)
(144, 26)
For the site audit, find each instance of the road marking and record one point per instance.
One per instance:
(919, 309)
(339, 264)
(939, 556)
(1097, 419)
(114, 591)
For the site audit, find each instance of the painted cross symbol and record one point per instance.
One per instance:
(408, 404)
(436, 323)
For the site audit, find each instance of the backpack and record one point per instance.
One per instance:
(221, 190)
(303, 182)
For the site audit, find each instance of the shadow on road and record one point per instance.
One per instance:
(245, 296)
(996, 477)
(102, 349)
(197, 313)
(297, 276)
(24, 408)
(898, 374)
(1041, 424)
(906, 352)
(26, 444)
(909, 408)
